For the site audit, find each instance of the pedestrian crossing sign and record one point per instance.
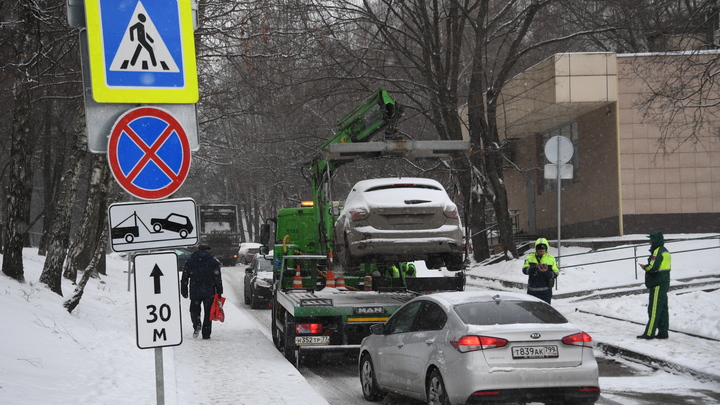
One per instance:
(142, 51)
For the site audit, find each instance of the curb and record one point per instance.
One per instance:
(655, 363)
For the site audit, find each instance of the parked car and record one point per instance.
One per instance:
(479, 346)
(399, 219)
(259, 281)
(247, 251)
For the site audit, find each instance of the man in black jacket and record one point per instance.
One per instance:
(202, 271)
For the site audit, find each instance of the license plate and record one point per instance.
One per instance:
(534, 352)
(312, 340)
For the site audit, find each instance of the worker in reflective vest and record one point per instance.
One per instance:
(542, 271)
(408, 269)
(657, 280)
(392, 271)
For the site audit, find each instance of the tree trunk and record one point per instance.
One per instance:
(90, 271)
(21, 150)
(82, 250)
(60, 229)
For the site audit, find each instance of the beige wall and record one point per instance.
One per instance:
(593, 198)
(687, 181)
(679, 191)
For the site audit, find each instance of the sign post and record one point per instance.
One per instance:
(559, 150)
(157, 308)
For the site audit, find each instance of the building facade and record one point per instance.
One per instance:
(626, 177)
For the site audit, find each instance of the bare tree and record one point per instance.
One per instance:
(24, 19)
(60, 229)
(87, 238)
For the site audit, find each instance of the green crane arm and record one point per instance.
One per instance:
(367, 119)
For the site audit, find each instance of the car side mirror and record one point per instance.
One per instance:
(264, 234)
(264, 250)
(378, 329)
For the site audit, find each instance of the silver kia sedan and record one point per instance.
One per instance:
(399, 220)
(479, 347)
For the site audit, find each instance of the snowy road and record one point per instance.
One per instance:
(336, 379)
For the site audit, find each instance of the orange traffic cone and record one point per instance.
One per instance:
(297, 280)
(341, 283)
(330, 278)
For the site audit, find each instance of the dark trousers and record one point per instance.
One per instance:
(195, 306)
(658, 315)
(545, 295)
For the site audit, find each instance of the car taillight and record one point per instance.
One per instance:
(471, 343)
(450, 212)
(578, 339)
(309, 328)
(358, 214)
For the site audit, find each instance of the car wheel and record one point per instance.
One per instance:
(455, 262)
(254, 302)
(436, 394)
(157, 227)
(348, 262)
(368, 382)
(183, 233)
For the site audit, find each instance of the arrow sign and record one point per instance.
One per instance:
(156, 274)
(157, 300)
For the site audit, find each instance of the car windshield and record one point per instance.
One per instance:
(265, 264)
(508, 312)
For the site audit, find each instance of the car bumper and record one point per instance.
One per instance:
(263, 294)
(588, 394)
(370, 241)
(525, 384)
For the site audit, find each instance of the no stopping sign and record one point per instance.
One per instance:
(149, 153)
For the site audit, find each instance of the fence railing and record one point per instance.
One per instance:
(706, 242)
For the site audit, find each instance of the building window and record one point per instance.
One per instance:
(570, 131)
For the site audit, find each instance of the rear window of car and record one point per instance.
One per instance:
(508, 312)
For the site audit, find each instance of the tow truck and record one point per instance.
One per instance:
(318, 306)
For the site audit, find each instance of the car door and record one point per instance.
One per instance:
(390, 372)
(421, 344)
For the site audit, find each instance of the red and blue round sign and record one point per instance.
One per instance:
(149, 153)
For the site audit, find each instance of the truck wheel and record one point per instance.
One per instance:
(368, 382)
(274, 329)
(289, 338)
(129, 238)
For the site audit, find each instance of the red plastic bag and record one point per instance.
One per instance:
(216, 310)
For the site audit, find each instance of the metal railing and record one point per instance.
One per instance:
(493, 233)
(635, 257)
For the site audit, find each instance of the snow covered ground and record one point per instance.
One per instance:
(90, 356)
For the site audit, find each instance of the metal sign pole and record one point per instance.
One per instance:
(159, 381)
(559, 224)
